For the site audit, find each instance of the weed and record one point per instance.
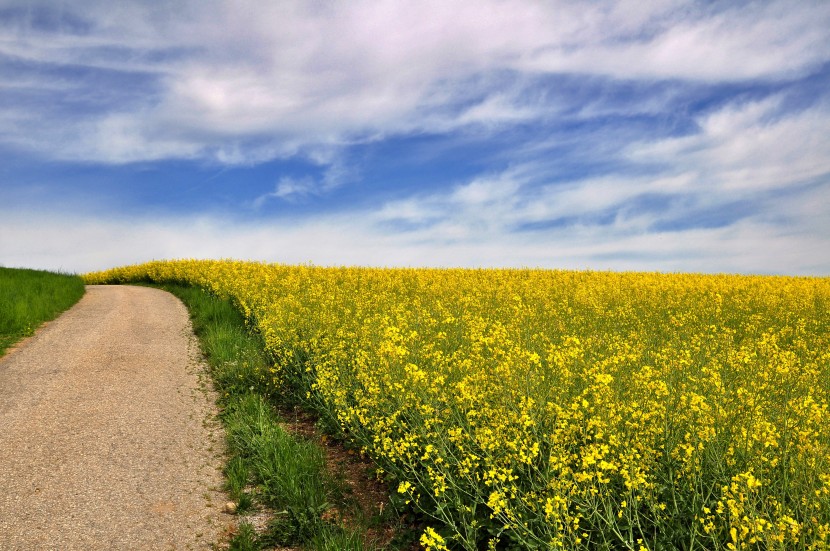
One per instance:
(245, 539)
(335, 538)
(238, 475)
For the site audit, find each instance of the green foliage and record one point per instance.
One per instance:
(245, 539)
(291, 471)
(238, 475)
(30, 297)
(334, 538)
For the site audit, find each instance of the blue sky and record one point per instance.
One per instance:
(660, 136)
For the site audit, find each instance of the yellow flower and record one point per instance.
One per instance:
(431, 540)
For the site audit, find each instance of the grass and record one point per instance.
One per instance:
(269, 468)
(28, 298)
(289, 472)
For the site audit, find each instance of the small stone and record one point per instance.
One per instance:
(230, 507)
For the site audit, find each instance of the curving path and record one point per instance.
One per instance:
(108, 437)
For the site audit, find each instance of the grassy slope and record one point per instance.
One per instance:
(30, 297)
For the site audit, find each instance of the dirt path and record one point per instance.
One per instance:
(107, 437)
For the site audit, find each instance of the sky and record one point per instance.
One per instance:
(667, 136)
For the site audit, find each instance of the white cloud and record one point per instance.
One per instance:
(335, 173)
(246, 81)
(81, 243)
(478, 211)
(502, 204)
(751, 167)
(750, 146)
(287, 189)
(685, 40)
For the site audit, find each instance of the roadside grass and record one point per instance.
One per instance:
(288, 488)
(28, 298)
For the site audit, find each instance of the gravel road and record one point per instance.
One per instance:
(108, 437)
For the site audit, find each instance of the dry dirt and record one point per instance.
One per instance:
(108, 436)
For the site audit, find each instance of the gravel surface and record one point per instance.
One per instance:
(108, 435)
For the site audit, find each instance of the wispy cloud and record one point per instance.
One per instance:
(611, 134)
(730, 175)
(246, 81)
(694, 41)
(287, 189)
(749, 146)
(79, 243)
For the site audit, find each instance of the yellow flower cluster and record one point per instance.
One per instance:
(538, 409)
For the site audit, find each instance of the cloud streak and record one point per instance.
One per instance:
(625, 135)
(78, 243)
(245, 82)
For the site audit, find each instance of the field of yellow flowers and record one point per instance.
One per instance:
(538, 409)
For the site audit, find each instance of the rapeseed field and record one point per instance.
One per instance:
(540, 409)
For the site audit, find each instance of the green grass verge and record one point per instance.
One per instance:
(29, 298)
(268, 466)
